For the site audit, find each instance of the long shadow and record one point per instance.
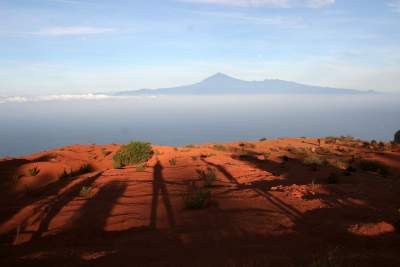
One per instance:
(61, 200)
(285, 208)
(159, 185)
(92, 217)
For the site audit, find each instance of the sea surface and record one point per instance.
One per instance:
(31, 125)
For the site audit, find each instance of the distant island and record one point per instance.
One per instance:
(223, 84)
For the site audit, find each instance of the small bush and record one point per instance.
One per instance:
(133, 153)
(263, 139)
(172, 162)
(266, 155)
(295, 150)
(374, 166)
(66, 174)
(196, 198)
(313, 162)
(330, 140)
(247, 145)
(195, 157)
(190, 146)
(117, 164)
(209, 176)
(33, 171)
(85, 191)
(105, 152)
(85, 168)
(219, 148)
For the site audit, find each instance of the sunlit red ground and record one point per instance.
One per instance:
(263, 212)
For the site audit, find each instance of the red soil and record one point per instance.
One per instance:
(263, 212)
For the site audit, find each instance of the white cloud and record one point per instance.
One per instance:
(272, 3)
(62, 31)
(395, 5)
(69, 97)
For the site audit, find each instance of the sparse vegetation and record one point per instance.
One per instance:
(190, 146)
(266, 155)
(296, 150)
(374, 166)
(247, 145)
(219, 148)
(330, 140)
(85, 191)
(209, 176)
(85, 168)
(313, 161)
(172, 162)
(105, 152)
(33, 171)
(194, 157)
(132, 153)
(196, 198)
(263, 139)
(117, 164)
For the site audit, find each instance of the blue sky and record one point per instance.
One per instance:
(81, 46)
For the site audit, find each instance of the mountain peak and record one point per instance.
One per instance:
(219, 77)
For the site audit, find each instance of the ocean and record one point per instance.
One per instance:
(33, 124)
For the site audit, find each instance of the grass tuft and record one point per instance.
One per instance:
(33, 171)
(209, 176)
(196, 198)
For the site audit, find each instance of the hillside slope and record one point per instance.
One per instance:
(285, 202)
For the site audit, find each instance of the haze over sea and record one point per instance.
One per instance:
(29, 126)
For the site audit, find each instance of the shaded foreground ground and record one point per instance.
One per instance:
(266, 210)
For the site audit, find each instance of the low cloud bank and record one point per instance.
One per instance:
(21, 99)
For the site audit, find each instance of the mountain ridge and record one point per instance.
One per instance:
(221, 83)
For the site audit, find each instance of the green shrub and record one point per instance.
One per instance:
(105, 152)
(117, 164)
(313, 162)
(209, 176)
(33, 171)
(266, 155)
(197, 199)
(85, 191)
(132, 153)
(172, 162)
